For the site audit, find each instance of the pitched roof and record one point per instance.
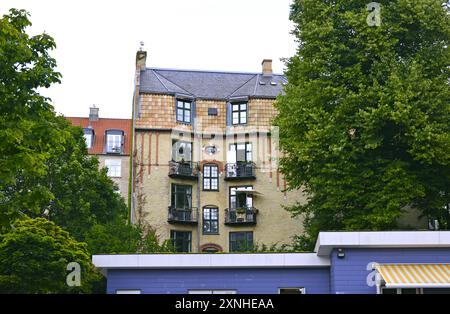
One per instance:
(210, 84)
(100, 127)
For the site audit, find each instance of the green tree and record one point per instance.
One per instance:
(77, 194)
(27, 128)
(45, 170)
(34, 256)
(120, 238)
(364, 124)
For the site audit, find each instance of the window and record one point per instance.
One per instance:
(210, 178)
(212, 112)
(181, 240)
(181, 196)
(128, 291)
(114, 141)
(240, 152)
(211, 149)
(184, 111)
(114, 167)
(210, 220)
(181, 151)
(241, 241)
(89, 137)
(239, 113)
(240, 199)
(211, 291)
(291, 290)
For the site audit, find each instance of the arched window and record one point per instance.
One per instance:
(211, 248)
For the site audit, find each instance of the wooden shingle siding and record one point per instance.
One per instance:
(158, 112)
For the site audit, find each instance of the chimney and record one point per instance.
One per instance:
(141, 58)
(93, 114)
(267, 67)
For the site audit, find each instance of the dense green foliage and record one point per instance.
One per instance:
(34, 256)
(116, 237)
(365, 121)
(46, 172)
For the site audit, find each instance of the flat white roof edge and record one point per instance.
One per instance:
(327, 241)
(208, 261)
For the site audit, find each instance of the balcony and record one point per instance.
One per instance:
(182, 216)
(240, 171)
(183, 170)
(240, 216)
(114, 149)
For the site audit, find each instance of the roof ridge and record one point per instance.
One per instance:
(174, 84)
(154, 73)
(100, 118)
(208, 71)
(241, 86)
(256, 85)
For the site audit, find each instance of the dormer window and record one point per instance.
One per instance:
(239, 113)
(89, 137)
(114, 141)
(184, 111)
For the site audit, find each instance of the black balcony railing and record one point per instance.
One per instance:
(182, 215)
(183, 169)
(240, 216)
(240, 170)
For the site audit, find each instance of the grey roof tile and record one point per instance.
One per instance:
(210, 84)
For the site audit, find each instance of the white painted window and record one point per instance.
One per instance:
(89, 137)
(114, 141)
(128, 291)
(211, 291)
(114, 167)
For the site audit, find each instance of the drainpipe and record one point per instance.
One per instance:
(199, 150)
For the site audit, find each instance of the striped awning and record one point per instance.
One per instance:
(415, 275)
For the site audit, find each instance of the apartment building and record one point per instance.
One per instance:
(110, 141)
(205, 155)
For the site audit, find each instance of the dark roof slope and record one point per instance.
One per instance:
(210, 84)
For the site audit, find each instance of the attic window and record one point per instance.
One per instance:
(89, 137)
(212, 112)
(114, 141)
(239, 113)
(183, 111)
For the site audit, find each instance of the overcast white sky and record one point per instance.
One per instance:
(97, 41)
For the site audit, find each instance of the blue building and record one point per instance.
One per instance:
(415, 262)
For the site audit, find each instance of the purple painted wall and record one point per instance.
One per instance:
(349, 275)
(315, 280)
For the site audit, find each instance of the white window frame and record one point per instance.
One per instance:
(128, 291)
(116, 143)
(88, 139)
(114, 167)
(212, 291)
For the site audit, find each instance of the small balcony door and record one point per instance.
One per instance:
(181, 202)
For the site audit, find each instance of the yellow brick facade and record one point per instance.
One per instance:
(156, 128)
